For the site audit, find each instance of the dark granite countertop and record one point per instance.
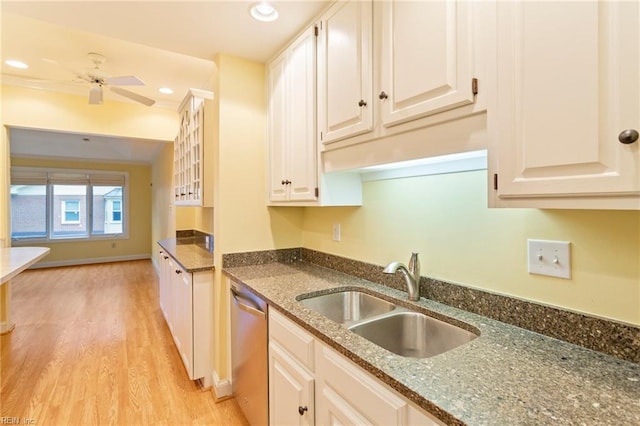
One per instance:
(189, 253)
(507, 376)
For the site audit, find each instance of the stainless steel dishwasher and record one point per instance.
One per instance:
(249, 354)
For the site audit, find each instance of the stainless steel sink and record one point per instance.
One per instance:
(347, 307)
(398, 329)
(412, 334)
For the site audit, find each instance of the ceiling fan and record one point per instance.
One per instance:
(99, 79)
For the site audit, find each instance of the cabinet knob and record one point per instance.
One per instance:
(178, 271)
(628, 136)
(301, 410)
(166, 257)
(383, 95)
(286, 182)
(362, 103)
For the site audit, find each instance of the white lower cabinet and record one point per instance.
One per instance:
(186, 303)
(165, 284)
(293, 385)
(310, 383)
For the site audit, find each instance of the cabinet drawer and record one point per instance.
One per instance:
(298, 342)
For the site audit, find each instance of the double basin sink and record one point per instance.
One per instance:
(398, 329)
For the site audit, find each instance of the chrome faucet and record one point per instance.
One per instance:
(411, 275)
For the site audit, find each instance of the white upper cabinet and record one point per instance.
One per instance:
(193, 151)
(345, 65)
(427, 59)
(292, 148)
(391, 67)
(568, 86)
(295, 174)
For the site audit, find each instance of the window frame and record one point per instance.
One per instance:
(64, 210)
(101, 178)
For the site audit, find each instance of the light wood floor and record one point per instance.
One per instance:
(91, 347)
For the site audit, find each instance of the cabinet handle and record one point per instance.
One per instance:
(628, 136)
(178, 271)
(383, 95)
(301, 410)
(362, 103)
(166, 257)
(286, 182)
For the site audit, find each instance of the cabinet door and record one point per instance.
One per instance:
(197, 142)
(291, 390)
(277, 80)
(301, 100)
(568, 84)
(427, 57)
(164, 280)
(348, 395)
(173, 292)
(345, 70)
(182, 317)
(292, 147)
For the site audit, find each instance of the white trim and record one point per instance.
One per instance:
(89, 261)
(155, 265)
(221, 387)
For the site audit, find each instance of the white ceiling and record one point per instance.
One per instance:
(164, 43)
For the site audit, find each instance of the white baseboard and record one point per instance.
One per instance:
(221, 387)
(88, 261)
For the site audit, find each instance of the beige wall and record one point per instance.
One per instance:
(163, 213)
(39, 109)
(445, 218)
(242, 222)
(139, 242)
(200, 218)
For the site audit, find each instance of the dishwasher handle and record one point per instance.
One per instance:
(249, 309)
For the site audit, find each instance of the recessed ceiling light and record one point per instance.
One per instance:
(165, 90)
(263, 12)
(16, 64)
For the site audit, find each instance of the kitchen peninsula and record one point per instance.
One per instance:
(14, 260)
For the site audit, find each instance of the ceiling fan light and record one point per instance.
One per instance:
(165, 90)
(16, 64)
(263, 12)
(95, 95)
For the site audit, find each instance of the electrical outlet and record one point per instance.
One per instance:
(552, 258)
(336, 232)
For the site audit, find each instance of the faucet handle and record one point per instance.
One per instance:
(413, 262)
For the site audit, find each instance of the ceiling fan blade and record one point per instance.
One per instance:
(125, 80)
(95, 95)
(134, 96)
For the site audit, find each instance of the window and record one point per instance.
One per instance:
(116, 213)
(71, 211)
(52, 204)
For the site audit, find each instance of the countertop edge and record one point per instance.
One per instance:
(31, 256)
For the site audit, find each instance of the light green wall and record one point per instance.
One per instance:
(445, 218)
(139, 241)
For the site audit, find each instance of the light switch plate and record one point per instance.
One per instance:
(552, 258)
